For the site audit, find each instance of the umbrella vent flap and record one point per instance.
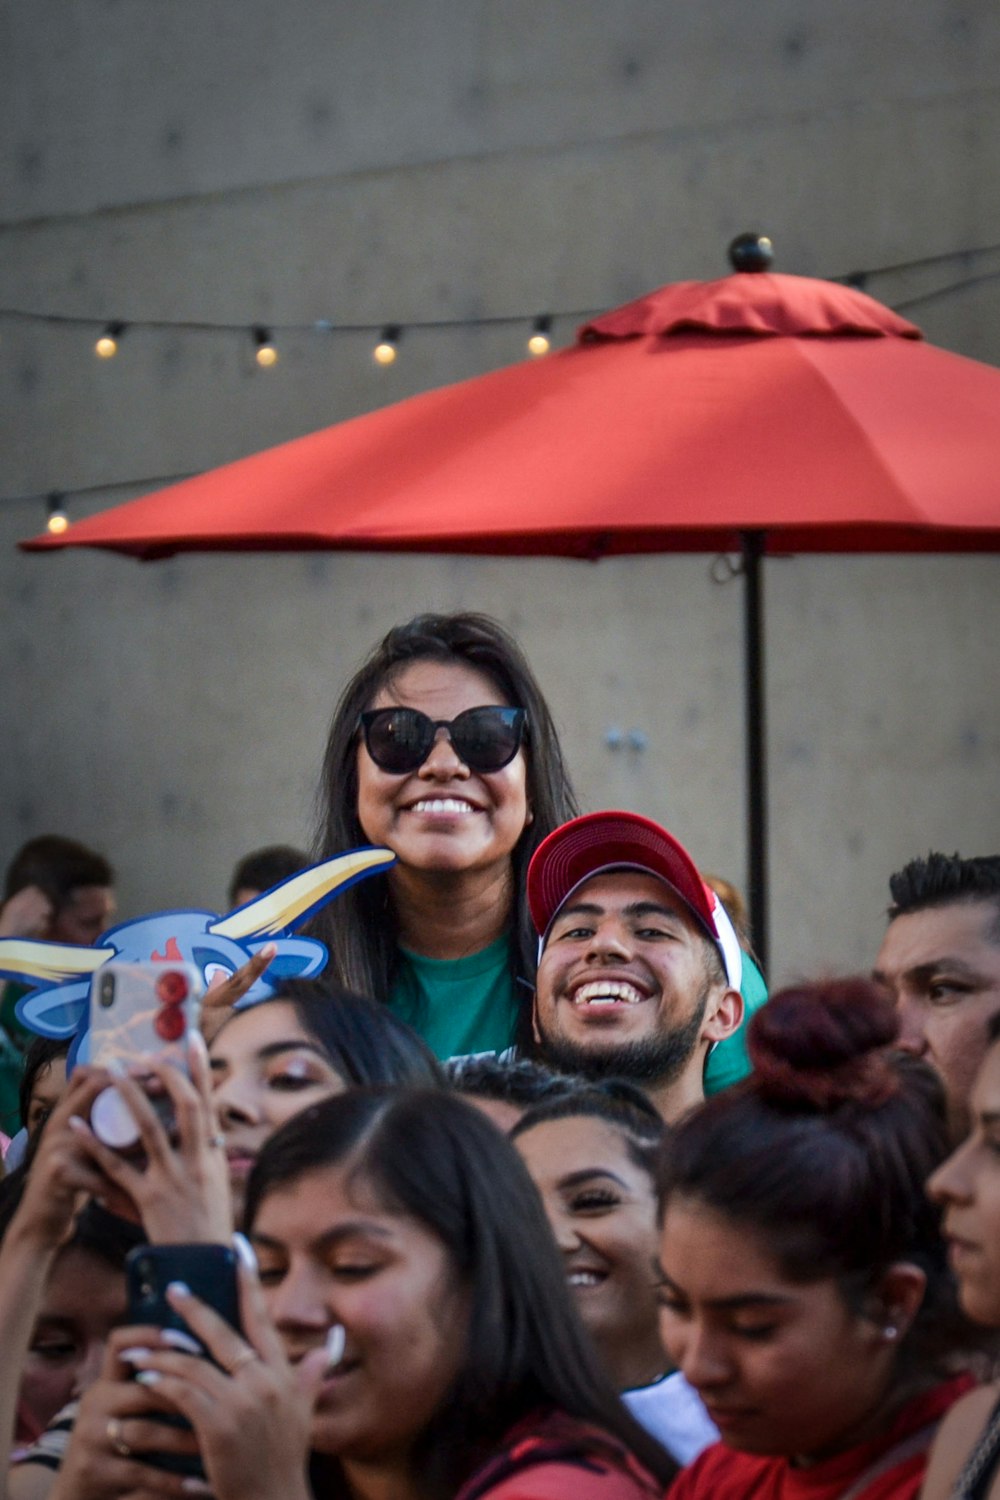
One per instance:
(761, 305)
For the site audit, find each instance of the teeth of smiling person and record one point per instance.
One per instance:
(607, 992)
(442, 805)
(584, 1278)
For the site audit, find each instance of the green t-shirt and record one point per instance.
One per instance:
(729, 1061)
(13, 1040)
(458, 1005)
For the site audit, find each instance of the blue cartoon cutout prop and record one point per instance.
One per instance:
(60, 973)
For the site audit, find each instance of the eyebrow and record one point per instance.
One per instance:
(634, 909)
(732, 1304)
(331, 1237)
(573, 1179)
(274, 1049)
(923, 972)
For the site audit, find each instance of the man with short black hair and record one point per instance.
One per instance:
(259, 870)
(639, 969)
(940, 961)
(58, 890)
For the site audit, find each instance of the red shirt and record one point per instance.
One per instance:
(722, 1473)
(551, 1456)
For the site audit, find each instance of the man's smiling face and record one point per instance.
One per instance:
(624, 979)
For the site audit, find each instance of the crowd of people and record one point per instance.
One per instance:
(534, 1194)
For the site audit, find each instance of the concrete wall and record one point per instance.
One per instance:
(416, 159)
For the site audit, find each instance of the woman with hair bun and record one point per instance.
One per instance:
(805, 1291)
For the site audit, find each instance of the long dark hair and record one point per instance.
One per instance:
(360, 927)
(824, 1152)
(365, 1043)
(438, 1160)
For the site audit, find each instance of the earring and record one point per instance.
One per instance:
(890, 1332)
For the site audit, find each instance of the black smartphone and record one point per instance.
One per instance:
(210, 1272)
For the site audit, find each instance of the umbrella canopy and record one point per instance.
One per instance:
(774, 403)
(760, 412)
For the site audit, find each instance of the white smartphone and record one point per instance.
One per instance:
(138, 1010)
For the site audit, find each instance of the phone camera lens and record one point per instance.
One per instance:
(106, 991)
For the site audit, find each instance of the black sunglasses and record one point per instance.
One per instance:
(485, 739)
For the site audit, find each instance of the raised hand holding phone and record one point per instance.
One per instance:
(178, 1188)
(139, 1011)
(250, 1409)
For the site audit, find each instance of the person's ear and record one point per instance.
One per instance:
(535, 1030)
(723, 1015)
(895, 1300)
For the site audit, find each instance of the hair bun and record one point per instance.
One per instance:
(820, 1045)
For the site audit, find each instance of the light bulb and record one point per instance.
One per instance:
(107, 345)
(540, 342)
(57, 520)
(266, 354)
(385, 350)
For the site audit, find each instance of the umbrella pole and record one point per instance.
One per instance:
(752, 546)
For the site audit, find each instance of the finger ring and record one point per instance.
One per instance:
(117, 1442)
(217, 1140)
(245, 1357)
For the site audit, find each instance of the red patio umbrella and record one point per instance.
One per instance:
(760, 413)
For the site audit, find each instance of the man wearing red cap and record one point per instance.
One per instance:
(639, 967)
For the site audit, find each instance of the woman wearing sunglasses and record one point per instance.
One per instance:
(442, 748)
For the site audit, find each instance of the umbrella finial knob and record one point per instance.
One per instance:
(751, 252)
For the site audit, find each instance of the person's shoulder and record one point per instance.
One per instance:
(557, 1457)
(956, 1437)
(720, 1471)
(559, 1480)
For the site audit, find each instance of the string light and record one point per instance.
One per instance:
(57, 520)
(267, 354)
(107, 345)
(385, 350)
(540, 341)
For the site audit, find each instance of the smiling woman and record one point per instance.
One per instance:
(411, 1333)
(442, 748)
(591, 1153)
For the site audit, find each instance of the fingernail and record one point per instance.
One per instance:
(79, 1124)
(178, 1288)
(135, 1355)
(149, 1377)
(196, 1043)
(245, 1251)
(336, 1342)
(178, 1340)
(194, 1486)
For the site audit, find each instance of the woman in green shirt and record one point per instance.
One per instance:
(442, 748)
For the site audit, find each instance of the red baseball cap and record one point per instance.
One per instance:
(603, 841)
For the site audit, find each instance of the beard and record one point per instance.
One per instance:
(658, 1059)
